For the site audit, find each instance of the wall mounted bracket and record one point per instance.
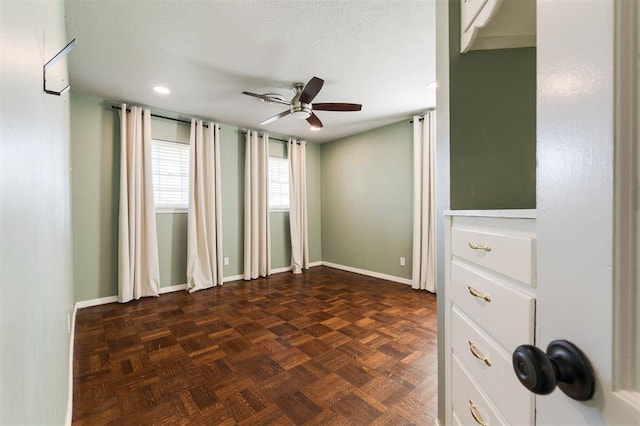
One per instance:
(61, 54)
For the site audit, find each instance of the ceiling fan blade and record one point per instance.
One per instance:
(311, 90)
(276, 117)
(266, 98)
(314, 121)
(337, 107)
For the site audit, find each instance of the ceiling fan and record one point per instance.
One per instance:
(301, 107)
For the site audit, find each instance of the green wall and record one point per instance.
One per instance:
(172, 248)
(367, 207)
(232, 182)
(493, 125)
(95, 185)
(314, 201)
(36, 278)
(95, 139)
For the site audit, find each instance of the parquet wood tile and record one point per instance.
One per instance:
(326, 347)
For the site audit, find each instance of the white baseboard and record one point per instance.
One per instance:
(281, 270)
(72, 337)
(172, 288)
(96, 302)
(273, 271)
(288, 268)
(368, 273)
(232, 278)
(163, 290)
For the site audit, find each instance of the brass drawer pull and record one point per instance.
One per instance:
(474, 413)
(476, 293)
(479, 246)
(476, 352)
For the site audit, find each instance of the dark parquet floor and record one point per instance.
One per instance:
(327, 347)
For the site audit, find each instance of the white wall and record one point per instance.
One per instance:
(35, 234)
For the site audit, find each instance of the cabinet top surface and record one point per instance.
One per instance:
(516, 213)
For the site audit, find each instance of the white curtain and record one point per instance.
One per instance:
(257, 235)
(298, 206)
(424, 219)
(138, 268)
(204, 225)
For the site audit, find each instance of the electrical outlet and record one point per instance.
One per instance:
(402, 261)
(226, 261)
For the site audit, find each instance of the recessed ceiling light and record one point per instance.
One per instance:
(432, 85)
(315, 129)
(162, 90)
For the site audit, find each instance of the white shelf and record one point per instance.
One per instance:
(514, 213)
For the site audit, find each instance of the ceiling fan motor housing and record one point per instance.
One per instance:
(300, 110)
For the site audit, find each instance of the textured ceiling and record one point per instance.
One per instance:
(380, 53)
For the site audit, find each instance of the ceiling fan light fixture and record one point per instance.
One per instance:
(161, 90)
(301, 115)
(300, 111)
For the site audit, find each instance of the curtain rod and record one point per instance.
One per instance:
(270, 138)
(163, 117)
(189, 123)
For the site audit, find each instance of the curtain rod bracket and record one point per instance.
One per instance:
(421, 117)
(244, 131)
(61, 54)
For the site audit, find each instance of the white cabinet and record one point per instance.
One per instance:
(497, 24)
(490, 295)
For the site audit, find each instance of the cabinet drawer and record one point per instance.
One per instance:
(509, 255)
(469, 10)
(505, 314)
(495, 375)
(470, 407)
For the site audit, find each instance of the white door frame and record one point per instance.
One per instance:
(626, 342)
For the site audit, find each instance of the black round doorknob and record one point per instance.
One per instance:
(563, 365)
(534, 369)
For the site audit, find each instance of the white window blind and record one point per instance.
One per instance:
(278, 183)
(170, 164)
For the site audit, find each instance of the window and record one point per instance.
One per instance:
(278, 183)
(170, 168)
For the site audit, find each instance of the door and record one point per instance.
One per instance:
(582, 297)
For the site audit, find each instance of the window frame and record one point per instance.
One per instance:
(171, 208)
(283, 170)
